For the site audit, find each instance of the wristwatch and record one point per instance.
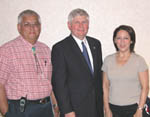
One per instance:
(55, 105)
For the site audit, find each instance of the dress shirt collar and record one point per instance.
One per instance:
(27, 43)
(79, 41)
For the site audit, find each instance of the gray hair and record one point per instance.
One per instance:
(28, 12)
(77, 12)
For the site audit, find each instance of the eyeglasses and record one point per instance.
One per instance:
(28, 25)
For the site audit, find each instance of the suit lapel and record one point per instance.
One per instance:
(78, 52)
(93, 51)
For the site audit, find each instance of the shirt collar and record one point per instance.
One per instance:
(79, 41)
(27, 43)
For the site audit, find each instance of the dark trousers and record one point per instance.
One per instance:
(123, 111)
(87, 107)
(31, 110)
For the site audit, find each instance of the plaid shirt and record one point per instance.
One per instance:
(18, 69)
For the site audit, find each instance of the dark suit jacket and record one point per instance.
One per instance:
(75, 88)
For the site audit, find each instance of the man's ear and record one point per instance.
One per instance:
(69, 25)
(19, 27)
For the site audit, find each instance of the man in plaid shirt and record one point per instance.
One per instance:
(25, 72)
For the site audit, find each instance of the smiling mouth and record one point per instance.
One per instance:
(32, 33)
(122, 46)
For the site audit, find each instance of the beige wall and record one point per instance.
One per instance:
(105, 16)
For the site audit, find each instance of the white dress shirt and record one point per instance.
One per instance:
(79, 41)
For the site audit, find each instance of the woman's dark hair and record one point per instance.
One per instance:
(130, 31)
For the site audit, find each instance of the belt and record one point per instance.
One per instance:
(39, 101)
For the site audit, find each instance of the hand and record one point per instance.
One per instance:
(4, 111)
(57, 115)
(138, 113)
(71, 114)
(56, 112)
(108, 113)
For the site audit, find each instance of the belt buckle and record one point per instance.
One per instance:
(43, 101)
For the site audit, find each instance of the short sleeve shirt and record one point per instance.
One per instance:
(21, 73)
(125, 86)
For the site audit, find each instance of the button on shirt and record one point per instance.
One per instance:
(18, 70)
(78, 41)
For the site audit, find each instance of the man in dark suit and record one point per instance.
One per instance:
(76, 77)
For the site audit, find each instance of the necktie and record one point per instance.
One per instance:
(36, 60)
(86, 56)
(33, 50)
